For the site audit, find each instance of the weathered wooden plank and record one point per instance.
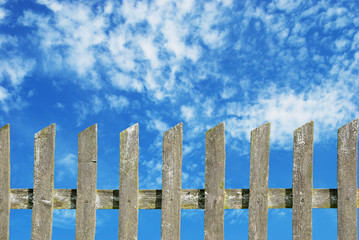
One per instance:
(86, 184)
(22, 198)
(43, 184)
(258, 183)
(214, 183)
(128, 195)
(347, 181)
(171, 183)
(303, 182)
(4, 181)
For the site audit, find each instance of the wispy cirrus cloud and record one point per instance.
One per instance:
(136, 47)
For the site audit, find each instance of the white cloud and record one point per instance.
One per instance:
(236, 216)
(78, 28)
(329, 106)
(15, 69)
(158, 125)
(3, 14)
(97, 105)
(287, 5)
(60, 105)
(228, 92)
(156, 48)
(208, 108)
(66, 167)
(124, 82)
(80, 38)
(341, 44)
(211, 35)
(191, 167)
(187, 113)
(150, 51)
(187, 149)
(119, 103)
(82, 111)
(108, 9)
(3, 94)
(65, 218)
(152, 177)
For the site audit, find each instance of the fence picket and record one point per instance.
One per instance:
(86, 184)
(4, 181)
(347, 181)
(258, 183)
(214, 183)
(44, 149)
(128, 202)
(303, 182)
(171, 183)
(302, 198)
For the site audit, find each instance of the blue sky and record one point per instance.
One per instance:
(161, 62)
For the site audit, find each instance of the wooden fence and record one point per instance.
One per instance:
(43, 198)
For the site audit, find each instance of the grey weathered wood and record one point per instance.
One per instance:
(43, 184)
(347, 181)
(214, 183)
(4, 181)
(128, 202)
(258, 188)
(86, 184)
(171, 183)
(303, 182)
(191, 198)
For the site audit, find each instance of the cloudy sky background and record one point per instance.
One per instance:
(158, 63)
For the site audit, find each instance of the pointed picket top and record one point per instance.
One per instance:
(86, 184)
(45, 130)
(41, 222)
(347, 180)
(92, 128)
(214, 183)
(173, 129)
(128, 190)
(345, 131)
(171, 183)
(303, 181)
(129, 133)
(258, 182)
(263, 127)
(6, 126)
(302, 128)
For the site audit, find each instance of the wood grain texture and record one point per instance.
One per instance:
(347, 181)
(86, 184)
(302, 182)
(44, 149)
(258, 186)
(172, 183)
(128, 195)
(214, 183)
(4, 181)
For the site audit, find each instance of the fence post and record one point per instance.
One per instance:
(128, 202)
(347, 181)
(214, 183)
(258, 183)
(4, 181)
(171, 184)
(302, 182)
(41, 228)
(86, 184)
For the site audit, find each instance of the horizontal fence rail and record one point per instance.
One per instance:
(214, 199)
